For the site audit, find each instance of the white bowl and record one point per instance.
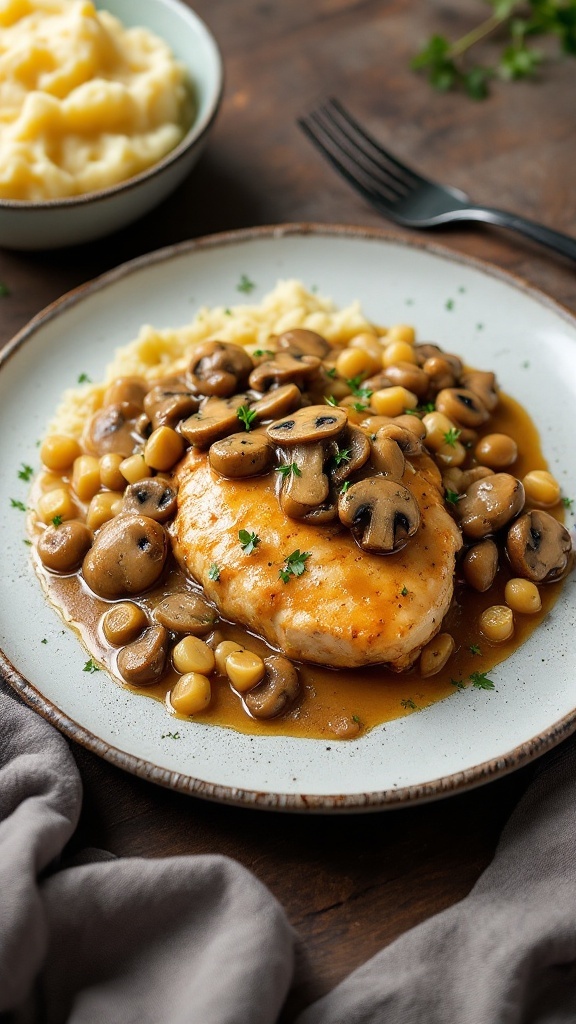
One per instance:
(59, 222)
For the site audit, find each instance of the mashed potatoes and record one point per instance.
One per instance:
(84, 102)
(167, 352)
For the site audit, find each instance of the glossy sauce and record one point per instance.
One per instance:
(368, 696)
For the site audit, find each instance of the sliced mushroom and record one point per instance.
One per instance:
(386, 456)
(489, 504)
(219, 368)
(353, 451)
(278, 402)
(240, 455)
(308, 487)
(406, 439)
(126, 389)
(142, 662)
(277, 691)
(186, 613)
(307, 425)
(304, 343)
(461, 406)
(284, 368)
(480, 564)
(539, 547)
(381, 513)
(62, 548)
(217, 418)
(410, 376)
(151, 497)
(483, 384)
(127, 556)
(169, 403)
(111, 429)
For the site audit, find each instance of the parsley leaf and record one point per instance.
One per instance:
(294, 565)
(15, 503)
(91, 666)
(330, 400)
(451, 436)
(342, 455)
(57, 520)
(289, 468)
(214, 572)
(452, 497)
(84, 379)
(249, 541)
(404, 591)
(474, 649)
(567, 502)
(245, 285)
(25, 472)
(263, 352)
(408, 704)
(355, 385)
(345, 487)
(480, 681)
(458, 683)
(246, 416)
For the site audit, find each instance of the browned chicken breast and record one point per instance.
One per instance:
(349, 607)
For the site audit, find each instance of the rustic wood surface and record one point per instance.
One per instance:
(349, 885)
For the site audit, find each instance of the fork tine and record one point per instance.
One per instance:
(375, 182)
(370, 146)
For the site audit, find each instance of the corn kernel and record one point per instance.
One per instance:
(451, 454)
(497, 623)
(222, 652)
(541, 488)
(401, 332)
(102, 508)
(86, 477)
(398, 352)
(244, 670)
(110, 472)
(193, 655)
(163, 448)
(437, 427)
(522, 596)
(134, 469)
(191, 694)
(59, 451)
(370, 343)
(393, 401)
(356, 362)
(56, 504)
(123, 622)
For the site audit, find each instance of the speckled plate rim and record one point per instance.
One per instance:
(383, 799)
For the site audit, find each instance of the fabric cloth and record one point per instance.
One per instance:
(199, 940)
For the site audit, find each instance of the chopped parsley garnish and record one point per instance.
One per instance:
(57, 520)
(227, 312)
(356, 719)
(330, 400)
(526, 364)
(474, 649)
(294, 565)
(245, 285)
(567, 502)
(345, 487)
(424, 408)
(27, 542)
(214, 572)
(449, 305)
(84, 379)
(458, 683)
(355, 385)
(404, 592)
(44, 641)
(249, 541)
(288, 469)
(480, 681)
(359, 407)
(263, 352)
(331, 372)
(170, 736)
(342, 455)
(451, 436)
(452, 497)
(90, 666)
(15, 503)
(408, 704)
(246, 416)
(25, 472)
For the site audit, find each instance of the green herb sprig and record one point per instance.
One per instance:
(516, 22)
(246, 416)
(294, 565)
(248, 541)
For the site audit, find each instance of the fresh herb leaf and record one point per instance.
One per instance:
(214, 572)
(288, 469)
(27, 542)
(170, 736)
(360, 407)
(567, 502)
(474, 649)
(91, 666)
(345, 487)
(331, 372)
(44, 641)
(409, 704)
(57, 520)
(449, 304)
(25, 472)
(262, 352)
(458, 683)
(294, 565)
(330, 400)
(426, 407)
(245, 285)
(342, 455)
(480, 681)
(84, 379)
(248, 541)
(355, 385)
(452, 497)
(246, 416)
(404, 591)
(15, 503)
(451, 436)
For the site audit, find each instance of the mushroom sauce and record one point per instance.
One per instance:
(339, 430)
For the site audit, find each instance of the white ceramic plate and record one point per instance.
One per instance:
(494, 320)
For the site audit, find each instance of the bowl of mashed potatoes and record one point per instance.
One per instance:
(105, 107)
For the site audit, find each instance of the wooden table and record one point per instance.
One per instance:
(349, 885)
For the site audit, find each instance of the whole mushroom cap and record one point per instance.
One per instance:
(489, 504)
(539, 547)
(127, 556)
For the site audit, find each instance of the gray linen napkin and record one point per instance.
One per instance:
(122, 941)
(183, 939)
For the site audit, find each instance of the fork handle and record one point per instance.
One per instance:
(537, 232)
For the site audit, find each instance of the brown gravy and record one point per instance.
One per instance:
(369, 696)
